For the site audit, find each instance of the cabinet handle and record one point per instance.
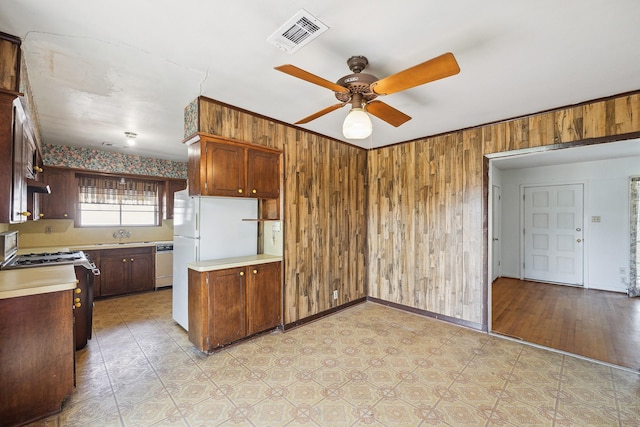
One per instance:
(254, 191)
(77, 281)
(240, 190)
(76, 300)
(25, 213)
(255, 271)
(78, 290)
(78, 305)
(131, 259)
(65, 215)
(242, 273)
(41, 215)
(124, 260)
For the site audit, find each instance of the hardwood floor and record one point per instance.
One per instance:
(596, 324)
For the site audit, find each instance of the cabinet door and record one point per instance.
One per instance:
(264, 297)
(141, 272)
(225, 174)
(114, 274)
(60, 204)
(263, 174)
(20, 145)
(172, 185)
(227, 322)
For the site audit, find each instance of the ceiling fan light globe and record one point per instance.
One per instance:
(357, 124)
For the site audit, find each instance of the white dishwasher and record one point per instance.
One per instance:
(164, 265)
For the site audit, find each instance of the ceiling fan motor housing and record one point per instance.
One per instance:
(356, 83)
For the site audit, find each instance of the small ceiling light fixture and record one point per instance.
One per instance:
(357, 124)
(131, 137)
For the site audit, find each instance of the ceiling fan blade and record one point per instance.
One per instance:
(387, 113)
(320, 113)
(311, 78)
(434, 69)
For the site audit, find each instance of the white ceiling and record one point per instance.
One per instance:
(99, 69)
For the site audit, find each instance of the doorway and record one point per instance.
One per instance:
(603, 170)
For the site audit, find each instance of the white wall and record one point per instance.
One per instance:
(606, 244)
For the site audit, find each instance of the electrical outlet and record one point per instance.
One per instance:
(595, 219)
(47, 229)
(335, 294)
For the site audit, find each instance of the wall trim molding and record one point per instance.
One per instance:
(458, 322)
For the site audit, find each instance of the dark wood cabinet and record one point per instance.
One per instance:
(216, 307)
(264, 297)
(60, 204)
(6, 155)
(220, 167)
(171, 186)
(10, 62)
(17, 150)
(263, 174)
(231, 304)
(23, 147)
(37, 355)
(225, 170)
(124, 271)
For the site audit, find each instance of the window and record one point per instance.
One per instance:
(111, 201)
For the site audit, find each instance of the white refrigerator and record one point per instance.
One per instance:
(206, 228)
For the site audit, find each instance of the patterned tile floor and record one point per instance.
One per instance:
(366, 365)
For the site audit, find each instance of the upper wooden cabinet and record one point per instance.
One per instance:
(17, 150)
(221, 167)
(263, 174)
(9, 62)
(171, 186)
(60, 204)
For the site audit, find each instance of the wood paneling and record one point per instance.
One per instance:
(444, 202)
(426, 205)
(324, 208)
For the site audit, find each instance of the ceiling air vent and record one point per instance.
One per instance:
(297, 32)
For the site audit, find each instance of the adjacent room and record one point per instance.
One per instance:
(319, 213)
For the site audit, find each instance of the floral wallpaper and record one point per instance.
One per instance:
(191, 118)
(104, 161)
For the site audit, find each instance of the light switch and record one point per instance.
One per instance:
(595, 219)
(276, 226)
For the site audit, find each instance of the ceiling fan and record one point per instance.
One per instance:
(360, 90)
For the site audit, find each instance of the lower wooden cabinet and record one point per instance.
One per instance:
(231, 304)
(37, 352)
(124, 271)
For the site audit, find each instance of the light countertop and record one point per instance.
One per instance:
(223, 263)
(37, 280)
(90, 246)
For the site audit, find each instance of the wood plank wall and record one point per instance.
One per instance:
(324, 208)
(426, 221)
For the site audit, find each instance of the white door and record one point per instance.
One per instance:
(496, 210)
(553, 237)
